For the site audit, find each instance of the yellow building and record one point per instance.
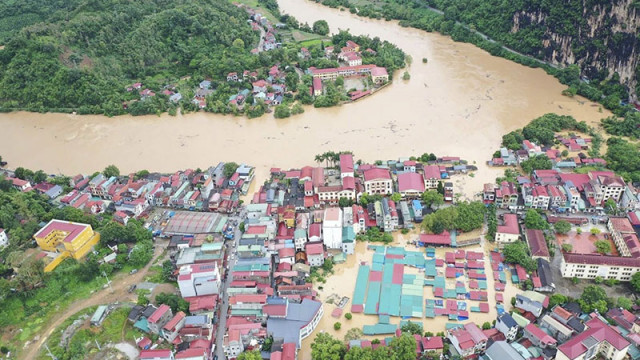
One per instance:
(67, 238)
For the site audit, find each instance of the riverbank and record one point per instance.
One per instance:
(460, 103)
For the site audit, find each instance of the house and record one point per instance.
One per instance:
(432, 344)
(159, 318)
(205, 84)
(67, 238)
(544, 281)
(298, 323)
(508, 232)
(378, 181)
(286, 255)
(467, 340)
(346, 165)
(332, 228)
(598, 338)
(20, 185)
(588, 266)
(4, 238)
(532, 302)
(171, 329)
(315, 253)
(506, 325)
(196, 353)
(537, 244)
(556, 329)
(175, 98)
(157, 354)
(501, 350)
(432, 176)
(410, 184)
(232, 76)
(352, 46)
(507, 196)
(538, 337)
(199, 279)
(99, 315)
(379, 75)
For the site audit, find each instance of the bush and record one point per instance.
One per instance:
(348, 316)
(337, 326)
(406, 76)
(424, 60)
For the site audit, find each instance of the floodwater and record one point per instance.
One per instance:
(342, 283)
(459, 104)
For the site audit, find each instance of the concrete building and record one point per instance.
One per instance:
(598, 339)
(332, 228)
(467, 340)
(508, 232)
(590, 266)
(315, 253)
(298, 323)
(378, 181)
(624, 236)
(67, 238)
(506, 325)
(159, 318)
(199, 279)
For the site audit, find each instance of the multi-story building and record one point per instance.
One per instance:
(199, 279)
(171, 329)
(507, 326)
(378, 181)
(590, 266)
(506, 196)
(624, 236)
(332, 228)
(468, 340)
(159, 318)
(70, 239)
(599, 339)
(410, 185)
(509, 231)
(346, 165)
(315, 253)
(432, 176)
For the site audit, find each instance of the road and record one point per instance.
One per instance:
(116, 293)
(224, 308)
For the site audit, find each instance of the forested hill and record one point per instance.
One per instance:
(599, 35)
(72, 54)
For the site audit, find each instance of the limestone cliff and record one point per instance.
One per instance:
(600, 36)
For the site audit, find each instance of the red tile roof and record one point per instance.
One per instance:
(376, 173)
(346, 163)
(170, 326)
(537, 243)
(158, 313)
(431, 172)
(595, 329)
(510, 225)
(314, 248)
(71, 229)
(410, 181)
(595, 259)
(154, 354)
(190, 353)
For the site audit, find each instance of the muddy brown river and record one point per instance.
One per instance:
(458, 104)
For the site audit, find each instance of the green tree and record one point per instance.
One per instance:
(396, 197)
(348, 316)
(432, 198)
(567, 247)
(175, 302)
(141, 174)
(538, 162)
(603, 246)
(486, 325)
(403, 347)
(337, 325)
(595, 231)
(39, 176)
(594, 298)
(406, 76)
(625, 303)
(110, 171)
(281, 112)
(345, 202)
(635, 282)
(562, 227)
(321, 27)
(533, 220)
(229, 169)
(557, 299)
(411, 328)
(167, 271)
(250, 355)
(353, 334)
(516, 253)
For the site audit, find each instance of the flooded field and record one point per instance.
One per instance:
(343, 281)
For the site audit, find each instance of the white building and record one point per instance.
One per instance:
(509, 232)
(4, 238)
(378, 181)
(332, 228)
(199, 279)
(588, 266)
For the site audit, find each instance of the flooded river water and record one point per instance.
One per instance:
(458, 104)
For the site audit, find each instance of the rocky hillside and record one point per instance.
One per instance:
(601, 36)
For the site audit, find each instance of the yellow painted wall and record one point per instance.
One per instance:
(53, 264)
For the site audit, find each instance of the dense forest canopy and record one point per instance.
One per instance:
(83, 54)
